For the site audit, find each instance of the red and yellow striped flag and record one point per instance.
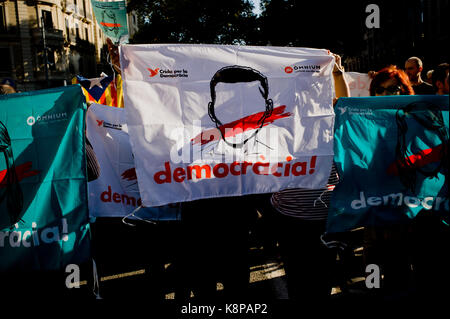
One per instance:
(103, 90)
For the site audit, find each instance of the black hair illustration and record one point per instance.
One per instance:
(111, 15)
(13, 193)
(93, 167)
(430, 117)
(236, 74)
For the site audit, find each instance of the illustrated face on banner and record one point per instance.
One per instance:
(109, 22)
(112, 18)
(239, 129)
(214, 121)
(9, 184)
(402, 140)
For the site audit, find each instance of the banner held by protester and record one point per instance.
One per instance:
(392, 157)
(216, 120)
(358, 83)
(112, 19)
(44, 221)
(115, 192)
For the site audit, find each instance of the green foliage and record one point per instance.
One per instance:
(319, 24)
(334, 26)
(194, 21)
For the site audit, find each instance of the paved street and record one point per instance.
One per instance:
(126, 271)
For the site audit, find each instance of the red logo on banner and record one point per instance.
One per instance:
(288, 69)
(153, 72)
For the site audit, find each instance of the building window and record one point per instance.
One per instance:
(67, 30)
(6, 65)
(77, 30)
(84, 9)
(51, 59)
(86, 34)
(48, 21)
(2, 20)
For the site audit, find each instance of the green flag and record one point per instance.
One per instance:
(112, 19)
(44, 221)
(391, 153)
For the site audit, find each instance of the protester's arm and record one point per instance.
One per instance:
(114, 55)
(371, 74)
(340, 85)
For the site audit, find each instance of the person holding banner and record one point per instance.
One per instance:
(414, 67)
(431, 233)
(390, 81)
(214, 236)
(301, 221)
(214, 248)
(389, 246)
(6, 89)
(439, 79)
(114, 55)
(340, 84)
(430, 77)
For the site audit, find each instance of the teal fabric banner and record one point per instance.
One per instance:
(389, 154)
(44, 221)
(112, 19)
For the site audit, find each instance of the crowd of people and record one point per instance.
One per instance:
(213, 235)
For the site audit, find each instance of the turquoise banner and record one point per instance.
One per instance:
(392, 157)
(112, 19)
(44, 221)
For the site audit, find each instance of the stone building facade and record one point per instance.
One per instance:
(75, 43)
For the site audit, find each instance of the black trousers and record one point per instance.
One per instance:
(214, 248)
(431, 256)
(307, 262)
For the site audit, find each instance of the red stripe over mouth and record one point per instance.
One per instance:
(420, 159)
(111, 25)
(247, 123)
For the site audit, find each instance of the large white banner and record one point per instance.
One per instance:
(214, 120)
(115, 193)
(358, 83)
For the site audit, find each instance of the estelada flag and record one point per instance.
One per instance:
(106, 90)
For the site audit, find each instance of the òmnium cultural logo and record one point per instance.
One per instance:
(302, 68)
(46, 118)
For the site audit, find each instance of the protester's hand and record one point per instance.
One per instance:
(371, 74)
(340, 84)
(114, 55)
(338, 68)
